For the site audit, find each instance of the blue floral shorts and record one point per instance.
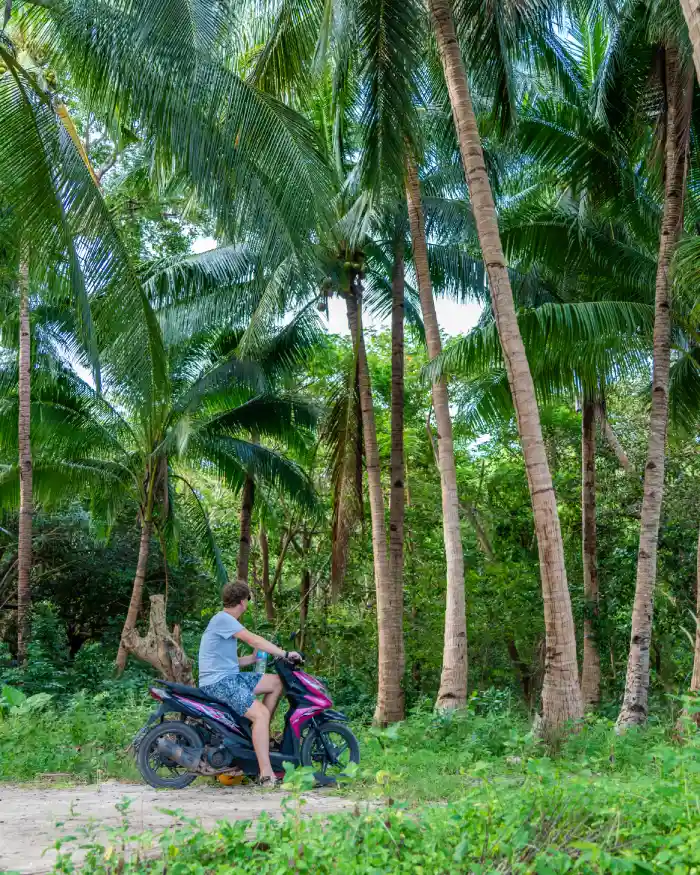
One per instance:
(236, 690)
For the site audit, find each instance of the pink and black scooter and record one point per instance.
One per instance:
(208, 738)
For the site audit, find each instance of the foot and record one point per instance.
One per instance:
(269, 781)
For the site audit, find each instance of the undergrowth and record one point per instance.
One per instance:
(82, 737)
(604, 803)
(639, 813)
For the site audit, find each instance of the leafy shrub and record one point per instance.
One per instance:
(544, 820)
(14, 702)
(85, 736)
(50, 668)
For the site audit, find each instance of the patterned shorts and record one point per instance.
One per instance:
(236, 690)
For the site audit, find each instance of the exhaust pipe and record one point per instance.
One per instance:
(188, 757)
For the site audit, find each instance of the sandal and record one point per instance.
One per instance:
(269, 781)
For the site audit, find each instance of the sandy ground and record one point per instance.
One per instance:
(33, 818)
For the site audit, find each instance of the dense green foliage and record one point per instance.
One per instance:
(503, 593)
(605, 804)
(190, 415)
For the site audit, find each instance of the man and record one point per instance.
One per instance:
(220, 675)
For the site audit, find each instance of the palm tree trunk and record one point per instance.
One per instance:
(304, 589)
(614, 443)
(389, 612)
(453, 681)
(247, 500)
(590, 673)
(24, 541)
(691, 11)
(397, 495)
(695, 680)
(678, 91)
(561, 693)
(132, 614)
(347, 497)
(267, 587)
(522, 671)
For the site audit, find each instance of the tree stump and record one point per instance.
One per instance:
(159, 647)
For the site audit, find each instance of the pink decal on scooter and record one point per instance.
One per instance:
(310, 682)
(214, 713)
(321, 701)
(302, 716)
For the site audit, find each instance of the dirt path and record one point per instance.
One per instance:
(29, 815)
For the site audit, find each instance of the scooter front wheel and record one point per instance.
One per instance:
(329, 749)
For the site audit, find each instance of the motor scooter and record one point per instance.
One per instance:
(209, 738)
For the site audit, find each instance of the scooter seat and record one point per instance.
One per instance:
(193, 693)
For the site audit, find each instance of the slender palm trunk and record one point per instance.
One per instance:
(678, 90)
(397, 495)
(561, 693)
(304, 589)
(247, 501)
(691, 11)
(590, 673)
(522, 670)
(132, 614)
(614, 442)
(24, 541)
(267, 587)
(453, 681)
(390, 634)
(695, 680)
(347, 500)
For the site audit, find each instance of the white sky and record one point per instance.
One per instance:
(454, 318)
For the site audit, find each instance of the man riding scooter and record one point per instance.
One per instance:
(220, 675)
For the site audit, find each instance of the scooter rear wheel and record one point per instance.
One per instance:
(159, 771)
(342, 744)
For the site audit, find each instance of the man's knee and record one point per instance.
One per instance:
(258, 713)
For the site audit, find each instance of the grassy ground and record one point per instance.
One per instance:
(602, 804)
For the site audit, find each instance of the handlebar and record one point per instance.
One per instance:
(290, 660)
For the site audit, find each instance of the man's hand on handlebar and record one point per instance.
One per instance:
(294, 656)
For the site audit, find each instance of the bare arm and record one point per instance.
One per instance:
(243, 661)
(257, 643)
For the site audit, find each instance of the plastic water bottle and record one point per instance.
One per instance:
(260, 661)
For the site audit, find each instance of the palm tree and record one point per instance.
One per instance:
(205, 399)
(162, 67)
(614, 114)
(561, 693)
(453, 681)
(24, 539)
(377, 65)
(678, 95)
(634, 706)
(397, 473)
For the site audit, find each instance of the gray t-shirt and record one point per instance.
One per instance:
(218, 650)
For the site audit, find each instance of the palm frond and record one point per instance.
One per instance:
(159, 63)
(232, 459)
(191, 515)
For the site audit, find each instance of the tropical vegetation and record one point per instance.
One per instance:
(437, 508)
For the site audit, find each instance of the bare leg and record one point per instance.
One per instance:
(260, 718)
(270, 687)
